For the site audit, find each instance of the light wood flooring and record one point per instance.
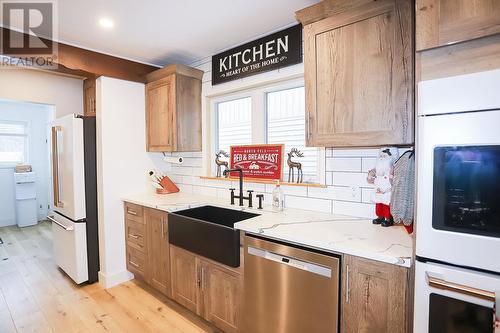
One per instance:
(36, 296)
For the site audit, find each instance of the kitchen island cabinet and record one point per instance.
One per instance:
(173, 109)
(358, 73)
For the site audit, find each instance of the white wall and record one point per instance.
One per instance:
(28, 85)
(122, 166)
(37, 116)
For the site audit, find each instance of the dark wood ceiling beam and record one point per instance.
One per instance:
(85, 63)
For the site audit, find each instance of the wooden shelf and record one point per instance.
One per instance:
(265, 181)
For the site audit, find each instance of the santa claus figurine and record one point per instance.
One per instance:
(381, 177)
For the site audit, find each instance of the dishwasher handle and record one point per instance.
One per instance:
(291, 261)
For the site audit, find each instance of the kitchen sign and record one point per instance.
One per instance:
(258, 161)
(280, 49)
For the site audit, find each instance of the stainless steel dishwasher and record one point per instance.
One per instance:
(289, 289)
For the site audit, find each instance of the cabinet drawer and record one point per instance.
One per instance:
(134, 212)
(137, 263)
(135, 234)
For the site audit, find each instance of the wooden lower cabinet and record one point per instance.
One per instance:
(185, 278)
(222, 297)
(206, 288)
(147, 246)
(374, 297)
(158, 247)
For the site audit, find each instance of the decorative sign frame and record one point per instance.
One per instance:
(258, 161)
(280, 49)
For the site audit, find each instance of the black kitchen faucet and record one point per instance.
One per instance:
(241, 197)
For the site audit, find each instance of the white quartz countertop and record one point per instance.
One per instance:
(328, 232)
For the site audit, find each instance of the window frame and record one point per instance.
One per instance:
(26, 136)
(258, 95)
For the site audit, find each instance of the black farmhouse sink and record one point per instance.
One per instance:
(208, 231)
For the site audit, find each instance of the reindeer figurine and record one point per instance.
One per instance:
(220, 163)
(292, 165)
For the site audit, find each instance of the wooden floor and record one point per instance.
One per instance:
(36, 296)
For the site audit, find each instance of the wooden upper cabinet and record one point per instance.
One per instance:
(358, 63)
(443, 22)
(159, 255)
(89, 95)
(173, 109)
(374, 297)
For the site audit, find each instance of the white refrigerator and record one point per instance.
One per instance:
(74, 222)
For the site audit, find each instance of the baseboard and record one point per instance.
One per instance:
(111, 280)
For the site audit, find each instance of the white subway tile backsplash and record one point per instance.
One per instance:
(366, 195)
(349, 179)
(368, 163)
(354, 209)
(336, 193)
(372, 152)
(203, 190)
(320, 205)
(185, 188)
(350, 164)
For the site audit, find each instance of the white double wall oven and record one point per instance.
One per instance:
(458, 203)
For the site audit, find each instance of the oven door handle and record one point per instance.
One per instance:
(460, 288)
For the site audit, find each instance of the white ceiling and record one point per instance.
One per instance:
(166, 31)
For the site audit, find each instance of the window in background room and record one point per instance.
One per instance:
(286, 124)
(234, 123)
(13, 142)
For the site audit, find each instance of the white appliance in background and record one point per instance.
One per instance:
(458, 203)
(68, 222)
(26, 205)
(452, 299)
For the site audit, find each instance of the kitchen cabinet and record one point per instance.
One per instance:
(159, 263)
(173, 109)
(221, 290)
(358, 69)
(186, 278)
(444, 22)
(89, 95)
(147, 247)
(207, 288)
(374, 296)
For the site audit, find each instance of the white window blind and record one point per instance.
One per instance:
(13, 142)
(286, 124)
(234, 123)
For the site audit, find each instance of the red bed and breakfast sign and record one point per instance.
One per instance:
(258, 161)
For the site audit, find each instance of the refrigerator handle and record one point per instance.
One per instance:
(55, 167)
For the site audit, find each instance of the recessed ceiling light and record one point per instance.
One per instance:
(106, 23)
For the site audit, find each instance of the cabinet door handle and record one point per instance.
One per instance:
(131, 212)
(203, 279)
(198, 278)
(133, 263)
(347, 289)
(162, 231)
(133, 236)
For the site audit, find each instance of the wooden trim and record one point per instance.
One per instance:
(174, 69)
(85, 63)
(327, 8)
(266, 181)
